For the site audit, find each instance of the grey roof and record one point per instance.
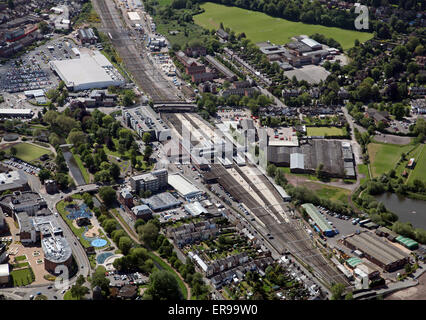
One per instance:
(161, 201)
(373, 246)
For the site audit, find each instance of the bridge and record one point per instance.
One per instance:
(174, 106)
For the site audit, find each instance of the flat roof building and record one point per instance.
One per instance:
(162, 201)
(378, 251)
(183, 186)
(87, 72)
(152, 181)
(319, 220)
(21, 113)
(13, 180)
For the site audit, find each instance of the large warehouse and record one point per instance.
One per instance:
(378, 251)
(87, 72)
(183, 186)
(319, 220)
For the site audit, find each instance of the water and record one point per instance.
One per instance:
(408, 210)
(102, 257)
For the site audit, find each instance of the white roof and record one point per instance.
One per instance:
(4, 270)
(310, 42)
(195, 208)
(200, 262)
(134, 16)
(182, 185)
(85, 71)
(15, 111)
(35, 93)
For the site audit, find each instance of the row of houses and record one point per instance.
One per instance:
(193, 232)
(238, 273)
(218, 266)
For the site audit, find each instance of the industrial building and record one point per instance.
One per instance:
(13, 181)
(153, 181)
(144, 119)
(162, 201)
(87, 35)
(195, 208)
(335, 156)
(87, 72)
(318, 219)
(185, 188)
(378, 251)
(407, 242)
(16, 113)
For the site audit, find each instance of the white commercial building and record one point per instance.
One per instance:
(185, 188)
(88, 72)
(10, 112)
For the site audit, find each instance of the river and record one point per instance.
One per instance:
(408, 210)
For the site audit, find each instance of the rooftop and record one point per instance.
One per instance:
(182, 185)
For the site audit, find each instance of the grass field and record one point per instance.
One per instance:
(383, 157)
(323, 131)
(22, 277)
(419, 171)
(29, 152)
(330, 192)
(260, 27)
(363, 169)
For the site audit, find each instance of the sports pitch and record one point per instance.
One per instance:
(383, 157)
(260, 27)
(323, 131)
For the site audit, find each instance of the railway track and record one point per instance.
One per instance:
(292, 238)
(146, 76)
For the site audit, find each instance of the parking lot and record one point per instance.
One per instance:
(122, 279)
(19, 164)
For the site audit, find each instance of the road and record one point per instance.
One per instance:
(133, 53)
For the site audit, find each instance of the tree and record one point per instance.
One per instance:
(109, 225)
(43, 27)
(44, 174)
(337, 291)
(148, 233)
(99, 279)
(79, 291)
(146, 137)
(108, 195)
(163, 286)
(114, 170)
(147, 152)
(76, 138)
(13, 151)
(271, 169)
(124, 245)
(10, 4)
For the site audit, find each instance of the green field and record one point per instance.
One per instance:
(324, 131)
(260, 27)
(29, 152)
(330, 192)
(419, 171)
(22, 277)
(363, 169)
(383, 157)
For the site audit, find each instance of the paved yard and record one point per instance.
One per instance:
(16, 249)
(311, 73)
